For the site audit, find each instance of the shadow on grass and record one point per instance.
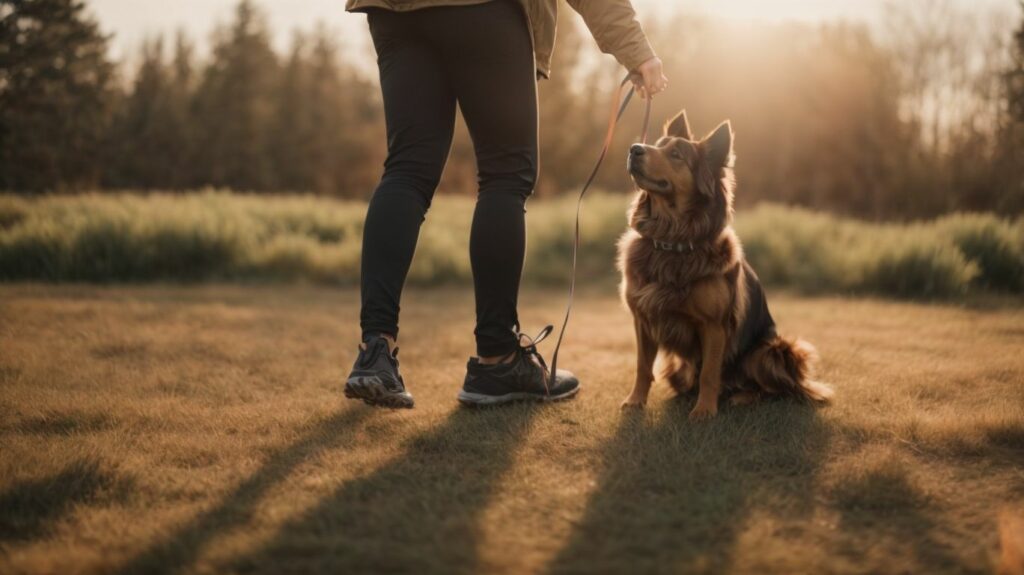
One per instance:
(884, 509)
(179, 551)
(31, 509)
(673, 497)
(417, 514)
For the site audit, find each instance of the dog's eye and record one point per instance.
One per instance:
(675, 154)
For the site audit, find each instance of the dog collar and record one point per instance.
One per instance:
(678, 247)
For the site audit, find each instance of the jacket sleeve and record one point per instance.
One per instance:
(614, 25)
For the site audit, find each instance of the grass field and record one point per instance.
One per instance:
(202, 429)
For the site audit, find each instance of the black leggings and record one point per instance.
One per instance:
(481, 57)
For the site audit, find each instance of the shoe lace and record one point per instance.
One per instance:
(530, 349)
(369, 354)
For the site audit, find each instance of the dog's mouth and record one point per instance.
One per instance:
(646, 183)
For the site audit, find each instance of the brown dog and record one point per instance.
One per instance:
(693, 296)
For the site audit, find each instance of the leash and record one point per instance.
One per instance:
(618, 107)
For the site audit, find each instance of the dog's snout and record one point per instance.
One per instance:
(636, 150)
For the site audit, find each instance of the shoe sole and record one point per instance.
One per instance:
(371, 390)
(480, 400)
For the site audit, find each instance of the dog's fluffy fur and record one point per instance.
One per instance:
(701, 307)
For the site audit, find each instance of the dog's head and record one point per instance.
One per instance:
(682, 171)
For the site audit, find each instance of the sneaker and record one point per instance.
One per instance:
(375, 378)
(525, 378)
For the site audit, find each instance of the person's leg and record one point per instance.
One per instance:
(491, 65)
(419, 110)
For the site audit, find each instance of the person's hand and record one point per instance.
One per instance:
(648, 78)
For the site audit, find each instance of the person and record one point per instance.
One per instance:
(486, 56)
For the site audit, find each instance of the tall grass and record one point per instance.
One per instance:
(221, 236)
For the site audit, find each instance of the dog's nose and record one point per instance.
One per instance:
(636, 150)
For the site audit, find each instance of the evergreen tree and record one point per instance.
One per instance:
(328, 110)
(343, 109)
(364, 136)
(150, 138)
(292, 127)
(182, 123)
(235, 104)
(1015, 77)
(55, 95)
(1011, 141)
(325, 136)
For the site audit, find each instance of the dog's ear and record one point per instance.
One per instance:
(679, 127)
(718, 147)
(718, 156)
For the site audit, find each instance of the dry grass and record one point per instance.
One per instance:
(202, 429)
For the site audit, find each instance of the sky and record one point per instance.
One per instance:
(130, 21)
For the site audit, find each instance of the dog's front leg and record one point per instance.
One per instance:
(712, 338)
(646, 351)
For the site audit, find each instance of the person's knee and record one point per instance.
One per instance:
(516, 178)
(503, 198)
(416, 183)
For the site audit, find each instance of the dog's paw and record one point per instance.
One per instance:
(632, 402)
(703, 412)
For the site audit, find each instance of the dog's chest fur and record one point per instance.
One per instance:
(673, 293)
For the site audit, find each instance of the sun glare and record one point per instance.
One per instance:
(804, 10)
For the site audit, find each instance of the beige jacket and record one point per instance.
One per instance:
(613, 24)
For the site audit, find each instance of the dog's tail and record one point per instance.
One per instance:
(783, 366)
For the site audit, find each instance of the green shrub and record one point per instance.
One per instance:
(994, 244)
(799, 248)
(920, 265)
(33, 251)
(12, 211)
(550, 227)
(223, 236)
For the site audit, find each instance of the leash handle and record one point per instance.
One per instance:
(618, 107)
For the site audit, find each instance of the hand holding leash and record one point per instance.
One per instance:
(649, 78)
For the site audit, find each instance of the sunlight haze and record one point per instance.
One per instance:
(131, 21)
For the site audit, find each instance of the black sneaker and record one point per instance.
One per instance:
(375, 378)
(525, 378)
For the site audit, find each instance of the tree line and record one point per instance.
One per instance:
(922, 118)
